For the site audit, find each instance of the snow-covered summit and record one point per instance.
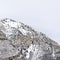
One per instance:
(8, 25)
(19, 41)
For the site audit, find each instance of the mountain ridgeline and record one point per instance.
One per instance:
(20, 42)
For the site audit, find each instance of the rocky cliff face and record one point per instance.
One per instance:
(21, 42)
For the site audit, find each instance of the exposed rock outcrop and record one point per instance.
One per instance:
(21, 42)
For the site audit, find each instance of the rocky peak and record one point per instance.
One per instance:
(20, 42)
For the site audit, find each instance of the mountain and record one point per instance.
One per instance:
(21, 42)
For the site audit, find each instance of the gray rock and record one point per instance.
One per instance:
(21, 42)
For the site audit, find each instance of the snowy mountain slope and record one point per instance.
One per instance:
(19, 41)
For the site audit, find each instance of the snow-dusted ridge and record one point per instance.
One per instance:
(10, 24)
(24, 42)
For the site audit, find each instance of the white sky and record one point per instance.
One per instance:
(43, 15)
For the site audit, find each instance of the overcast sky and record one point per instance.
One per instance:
(43, 15)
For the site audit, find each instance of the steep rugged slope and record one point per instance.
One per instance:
(21, 42)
